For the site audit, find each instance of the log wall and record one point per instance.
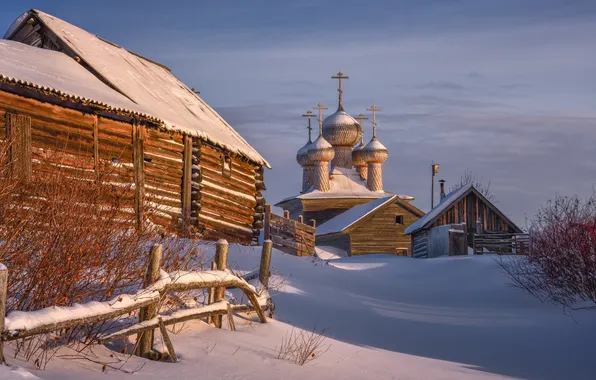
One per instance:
(381, 234)
(228, 196)
(220, 194)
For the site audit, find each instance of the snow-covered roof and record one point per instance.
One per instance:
(346, 183)
(352, 216)
(150, 86)
(438, 209)
(57, 73)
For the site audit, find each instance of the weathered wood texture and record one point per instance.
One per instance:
(145, 340)
(227, 197)
(471, 209)
(289, 235)
(219, 195)
(320, 210)
(381, 234)
(501, 243)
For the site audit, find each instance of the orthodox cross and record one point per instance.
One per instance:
(374, 111)
(320, 107)
(360, 118)
(339, 77)
(309, 114)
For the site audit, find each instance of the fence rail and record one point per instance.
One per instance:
(290, 236)
(20, 325)
(501, 243)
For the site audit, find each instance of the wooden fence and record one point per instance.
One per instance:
(501, 243)
(155, 287)
(290, 236)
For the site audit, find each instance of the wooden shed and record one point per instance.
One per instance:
(466, 207)
(374, 227)
(65, 90)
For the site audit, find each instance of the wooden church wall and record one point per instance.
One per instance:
(381, 234)
(322, 210)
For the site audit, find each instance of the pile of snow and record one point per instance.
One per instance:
(330, 253)
(389, 317)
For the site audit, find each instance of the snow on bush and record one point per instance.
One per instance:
(561, 264)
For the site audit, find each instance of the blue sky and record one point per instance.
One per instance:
(506, 89)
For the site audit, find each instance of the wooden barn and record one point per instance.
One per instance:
(374, 227)
(464, 209)
(66, 91)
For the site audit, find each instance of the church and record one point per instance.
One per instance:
(342, 187)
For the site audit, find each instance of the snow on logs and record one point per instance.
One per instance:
(19, 324)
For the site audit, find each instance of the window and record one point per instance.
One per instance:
(399, 219)
(401, 251)
(226, 162)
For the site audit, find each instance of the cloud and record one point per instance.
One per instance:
(439, 85)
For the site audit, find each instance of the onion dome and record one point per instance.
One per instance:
(321, 150)
(357, 159)
(341, 129)
(374, 152)
(302, 155)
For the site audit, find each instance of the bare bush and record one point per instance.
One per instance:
(67, 236)
(560, 266)
(302, 346)
(479, 183)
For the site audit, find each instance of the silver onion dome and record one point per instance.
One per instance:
(321, 150)
(341, 129)
(374, 152)
(302, 155)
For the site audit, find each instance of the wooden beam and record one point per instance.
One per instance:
(138, 136)
(221, 260)
(187, 184)
(146, 339)
(167, 341)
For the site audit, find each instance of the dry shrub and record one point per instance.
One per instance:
(560, 266)
(302, 346)
(66, 237)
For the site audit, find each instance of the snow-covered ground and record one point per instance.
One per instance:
(389, 317)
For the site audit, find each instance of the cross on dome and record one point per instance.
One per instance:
(339, 77)
(320, 107)
(309, 114)
(374, 111)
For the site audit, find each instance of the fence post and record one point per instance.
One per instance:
(211, 294)
(300, 219)
(286, 214)
(221, 259)
(3, 291)
(313, 223)
(264, 268)
(267, 232)
(146, 338)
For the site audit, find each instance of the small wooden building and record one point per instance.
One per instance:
(466, 207)
(374, 227)
(66, 91)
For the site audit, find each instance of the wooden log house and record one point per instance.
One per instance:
(374, 227)
(465, 206)
(64, 90)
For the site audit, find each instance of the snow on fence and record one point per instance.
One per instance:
(501, 243)
(156, 285)
(290, 236)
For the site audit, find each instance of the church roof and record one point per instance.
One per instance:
(345, 183)
(147, 84)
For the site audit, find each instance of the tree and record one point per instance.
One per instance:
(561, 263)
(469, 177)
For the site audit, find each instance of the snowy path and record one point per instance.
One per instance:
(389, 318)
